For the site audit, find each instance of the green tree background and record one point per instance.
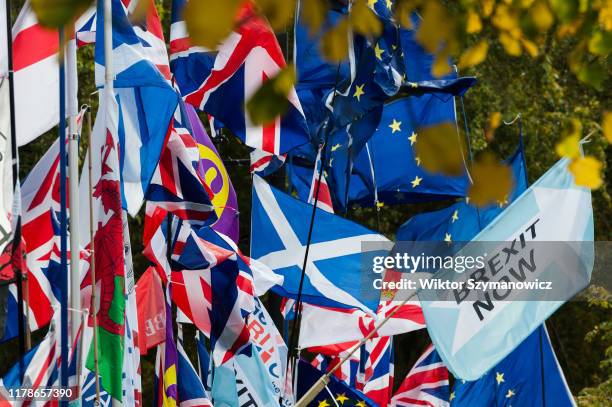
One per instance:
(545, 93)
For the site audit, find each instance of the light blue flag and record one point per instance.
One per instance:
(242, 381)
(546, 235)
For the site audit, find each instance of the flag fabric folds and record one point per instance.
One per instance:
(507, 383)
(151, 310)
(108, 241)
(333, 276)
(176, 186)
(426, 384)
(191, 391)
(146, 103)
(213, 171)
(221, 83)
(553, 209)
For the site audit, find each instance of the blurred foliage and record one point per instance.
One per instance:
(545, 59)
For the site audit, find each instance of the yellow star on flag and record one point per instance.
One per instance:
(503, 203)
(418, 161)
(341, 398)
(359, 92)
(413, 138)
(360, 403)
(447, 237)
(452, 396)
(323, 403)
(395, 126)
(389, 4)
(378, 51)
(371, 3)
(499, 378)
(335, 147)
(416, 181)
(510, 394)
(455, 216)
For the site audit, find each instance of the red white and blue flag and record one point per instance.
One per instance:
(426, 384)
(221, 82)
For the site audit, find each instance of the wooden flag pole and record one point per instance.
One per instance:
(324, 380)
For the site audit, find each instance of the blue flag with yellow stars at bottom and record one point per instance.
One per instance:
(342, 394)
(528, 377)
(461, 221)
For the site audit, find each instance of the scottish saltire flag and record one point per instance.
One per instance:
(88, 392)
(213, 171)
(146, 104)
(473, 334)
(335, 393)
(221, 82)
(462, 221)
(243, 380)
(176, 186)
(40, 367)
(507, 383)
(191, 392)
(426, 384)
(334, 274)
(109, 243)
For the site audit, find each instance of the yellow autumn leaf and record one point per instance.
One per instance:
(313, 13)
(403, 11)
(541, 15)
(334, 43)
(440, 149)
(510, 44)
(569, 147)
(140, 11)
(505, 18)
(473, 24)
(606, 125)
(435, 27)
(530, 47)
(57, 13)
(278, 13)
(440, 66)
(586, 172)
(270, 100)
(492, 181)
(605, 15)
(492, 124)
(474, 55)
(209, 24)
(487, 7)
(363, 19)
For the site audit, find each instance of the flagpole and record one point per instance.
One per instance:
(92, 260)
(63, 218)
(73, 178)
(21, 322)
(323, 380)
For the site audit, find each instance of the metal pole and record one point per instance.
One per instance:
(15, 167)
(63, 220)
(73, 178)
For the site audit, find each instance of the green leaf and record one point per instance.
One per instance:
(58, 13)
(270, 100)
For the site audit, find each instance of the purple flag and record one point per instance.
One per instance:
(213, 171)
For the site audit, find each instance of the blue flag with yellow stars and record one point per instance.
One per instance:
(337, 393)
(528, 377)
(462, 221)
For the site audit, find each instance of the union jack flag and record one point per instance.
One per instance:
(319, 187)
(214, 81)
(426, 384)
(376, 372)
(176, 186)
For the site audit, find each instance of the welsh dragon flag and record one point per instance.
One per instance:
(108, 241)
